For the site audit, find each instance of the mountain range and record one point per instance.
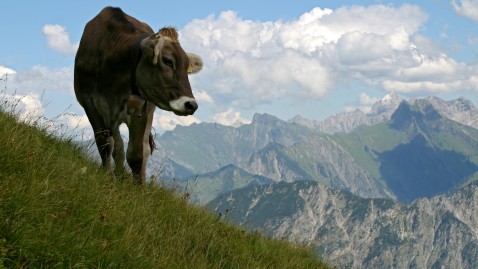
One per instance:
(461, 110)
(380, 186)
(416, 151)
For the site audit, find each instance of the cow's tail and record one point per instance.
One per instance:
(152, 144)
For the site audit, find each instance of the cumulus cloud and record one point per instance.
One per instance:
(251, 62)
(28, 107)
(230, 118)
(366, 102)
(166, 121)
(58, 39)
(31, 109)
(41, 78)
(203, 97)
(74, 125)
(466, 8)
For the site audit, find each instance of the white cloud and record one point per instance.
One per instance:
(166, 121)
(230, 118)
(5, 71)
(59, 39)
(74, 125)
(203, 97)
(27, 107)
(466, 8)
(248, 63)
(41, 78)
(366, 100)
(31, 109)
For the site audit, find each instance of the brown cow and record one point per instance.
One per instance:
(123, 70)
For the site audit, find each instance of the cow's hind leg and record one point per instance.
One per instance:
(139, 145)
(103, 135)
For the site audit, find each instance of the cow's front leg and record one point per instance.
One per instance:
(118, 153)
(138, 145)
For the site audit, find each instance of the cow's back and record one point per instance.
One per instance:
(104, 61)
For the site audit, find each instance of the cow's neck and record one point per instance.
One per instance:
(135, 58)
(136, 104)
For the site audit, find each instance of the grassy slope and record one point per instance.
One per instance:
(57, 209)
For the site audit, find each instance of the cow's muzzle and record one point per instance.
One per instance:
(184, 106)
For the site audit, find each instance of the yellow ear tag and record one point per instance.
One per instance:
(195, 63)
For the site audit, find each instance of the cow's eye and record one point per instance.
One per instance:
(168, 62)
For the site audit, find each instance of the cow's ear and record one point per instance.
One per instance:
(195, 63)
(151, 47)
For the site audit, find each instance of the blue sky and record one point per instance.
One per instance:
(313, 58)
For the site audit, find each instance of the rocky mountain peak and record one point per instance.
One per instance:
(417, 112)
(386, 105)
(264, 118)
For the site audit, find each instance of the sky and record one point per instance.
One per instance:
(284, 58)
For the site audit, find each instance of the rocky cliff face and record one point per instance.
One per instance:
(353, 232)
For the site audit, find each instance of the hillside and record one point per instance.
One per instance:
(58, 209)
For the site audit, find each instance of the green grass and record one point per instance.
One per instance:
(58, 209)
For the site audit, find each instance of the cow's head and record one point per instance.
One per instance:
(162, 73)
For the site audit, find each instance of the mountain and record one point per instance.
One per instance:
(353, 232)
(206, 147)
(398, 188)
(418, 152)
(349, 121)
(461, 110)
(205, 187)
(441, 153)
(318, 157)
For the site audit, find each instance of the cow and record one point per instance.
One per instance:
(123, 71)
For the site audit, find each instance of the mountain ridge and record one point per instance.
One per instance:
(349, 121)
(356, 232)
(461, 110)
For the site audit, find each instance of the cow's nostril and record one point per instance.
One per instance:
(191, 106)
